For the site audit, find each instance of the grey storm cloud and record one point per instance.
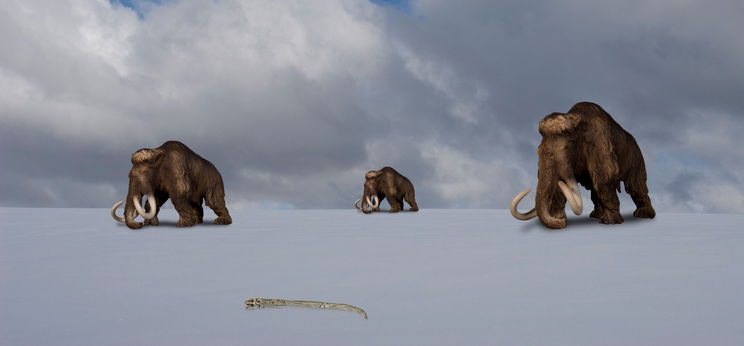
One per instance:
(294, 101)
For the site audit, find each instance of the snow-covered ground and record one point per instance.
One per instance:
(449, 277)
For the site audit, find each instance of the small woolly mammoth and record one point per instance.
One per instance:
(386, 183)
(172, 171)
(586, 146)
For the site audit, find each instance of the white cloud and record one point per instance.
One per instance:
(467, 182)
(465, 105)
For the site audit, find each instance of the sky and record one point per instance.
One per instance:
(294, 101)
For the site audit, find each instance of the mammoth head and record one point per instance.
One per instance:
(142, 182)
(559, 157)
(559, 124)
(560, 144)
(146, 155)
(372, 174)
(370, 182)
(144, 162)
(369, 200)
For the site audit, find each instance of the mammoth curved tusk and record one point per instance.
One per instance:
(513, 207)
(572, 196)
(113, 211)
(151, 202)
(356, 204)
(577, 195)
(376, 202)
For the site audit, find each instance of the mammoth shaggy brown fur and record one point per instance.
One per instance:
(586, 146)
(172, 171)
(386, 183)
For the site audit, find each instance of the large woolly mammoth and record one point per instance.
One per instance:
(386, 183)
(586, 146)
(172, 171)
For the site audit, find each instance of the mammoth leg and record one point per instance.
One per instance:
(643, 206)
(396, 204)
(609, 204)
(216, 201)
(199, 210)
(411, 200)
(558, 205)
(160, 197)
(597, 212)
(635, 185)
(641, 200)
(186, 212)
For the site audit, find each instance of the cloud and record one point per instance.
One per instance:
(460, 180)
(294, 101)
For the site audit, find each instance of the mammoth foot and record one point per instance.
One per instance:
(183, 222)
(414, 209)
(153, 222)
(555, 224)
(223, 220)
(135, 225)
(610, 218)
(645, 212)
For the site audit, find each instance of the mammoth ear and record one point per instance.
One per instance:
(371, 174)
(559, 123)
(146, 155)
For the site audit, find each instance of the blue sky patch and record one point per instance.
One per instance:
(402, 5)
(135, 5)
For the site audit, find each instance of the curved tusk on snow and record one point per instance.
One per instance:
(513, 207)
(113, 211)
(573, 199)
(259, 303)
(151, 202)
(356, 204)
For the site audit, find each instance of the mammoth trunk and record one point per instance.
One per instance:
(134, 207)
(553, 192)
(150, 202)
(545, 191)
(369, 203)
(129, 212)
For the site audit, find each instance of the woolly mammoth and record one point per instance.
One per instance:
(172, 171)
(585, 146)
(386, 183)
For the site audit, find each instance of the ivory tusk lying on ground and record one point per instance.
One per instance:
(258, 303)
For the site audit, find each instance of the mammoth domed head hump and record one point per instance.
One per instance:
(144, 163)
(372, 174)
(371, 181)
(146, 155)
(558, 124)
